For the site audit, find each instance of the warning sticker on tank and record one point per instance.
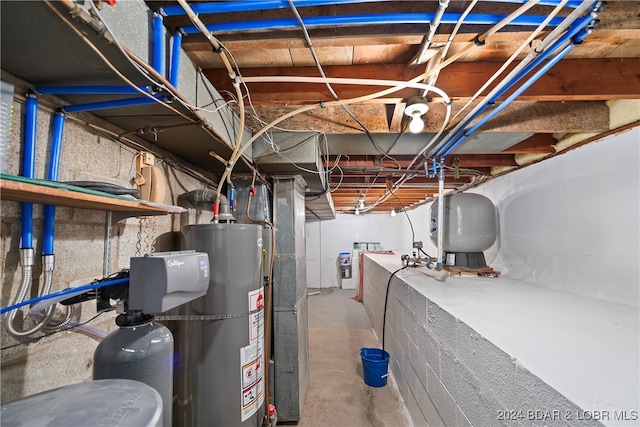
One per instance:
(252, 358)
(252, 399)
(256, 320)
(252, 371)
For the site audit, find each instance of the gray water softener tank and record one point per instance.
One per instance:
(220, 353)
(470, 226)
(141, 352)
(114, 402)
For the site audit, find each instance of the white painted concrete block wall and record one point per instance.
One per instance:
(569, 224)
(449, 374)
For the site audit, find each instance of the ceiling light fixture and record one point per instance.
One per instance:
(357, 211)
(393, 212)
(415, 108)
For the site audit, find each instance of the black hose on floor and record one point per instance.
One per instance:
(386, 300)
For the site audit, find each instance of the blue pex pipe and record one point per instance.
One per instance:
(391, 18)
(54, 167)
(253, 5)
(546, 67)
(89, 90)
(455, 139)
(576, 28)
(174, 67)
(105, 105)
(159, 48)
(461, 134)
(64, 292)
(570, 4)
(250, 5)
(28, 166)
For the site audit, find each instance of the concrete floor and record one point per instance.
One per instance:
(337, 394)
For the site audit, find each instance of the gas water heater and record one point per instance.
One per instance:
(220, 348)
(469, 228)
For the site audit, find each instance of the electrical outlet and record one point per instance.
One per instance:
(417, 245)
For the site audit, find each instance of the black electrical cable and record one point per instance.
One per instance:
(32, 340)
(386, 301)
(413, 233)
(426, 254)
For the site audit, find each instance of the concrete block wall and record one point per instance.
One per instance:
(449, 374)
(31, 366)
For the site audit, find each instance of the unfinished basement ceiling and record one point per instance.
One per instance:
(357, 39)
(571, 98)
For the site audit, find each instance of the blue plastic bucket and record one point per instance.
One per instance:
(375, 366)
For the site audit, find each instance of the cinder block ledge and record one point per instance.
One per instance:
(499, 351)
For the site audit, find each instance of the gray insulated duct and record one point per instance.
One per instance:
(220, 353)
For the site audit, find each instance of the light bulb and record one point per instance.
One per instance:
(357, 211)
(415, 109)
(416, 125)
(393, 212)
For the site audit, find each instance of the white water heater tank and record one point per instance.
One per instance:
(470, 223)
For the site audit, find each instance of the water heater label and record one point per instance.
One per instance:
(256, 320)
(252, 358)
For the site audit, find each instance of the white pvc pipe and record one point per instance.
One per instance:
(440, 217)
(519, 11)
(395, 84)
(433, 27)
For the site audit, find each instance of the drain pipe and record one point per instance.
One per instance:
(26, 246)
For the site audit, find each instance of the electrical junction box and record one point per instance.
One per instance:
(161, 281)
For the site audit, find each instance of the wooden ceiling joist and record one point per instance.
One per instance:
(598, 79)
(547, 117)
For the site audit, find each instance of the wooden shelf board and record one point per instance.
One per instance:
(41, 194)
